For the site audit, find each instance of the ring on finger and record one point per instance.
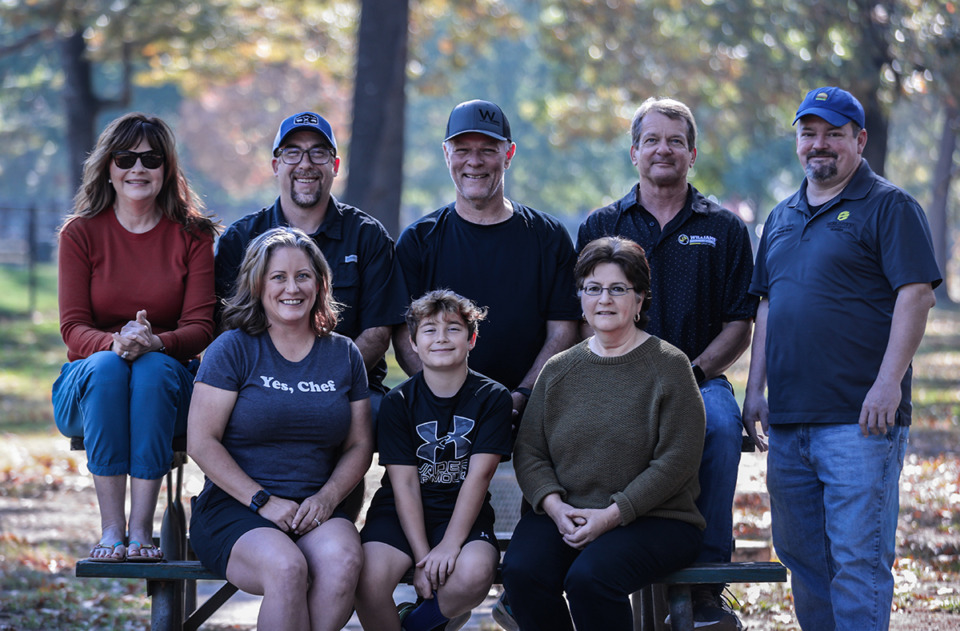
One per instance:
(316, 520)
(125, 354)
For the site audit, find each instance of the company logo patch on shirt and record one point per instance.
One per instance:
(433, 444)
(695, 239)
(843, 216)
(350, 258)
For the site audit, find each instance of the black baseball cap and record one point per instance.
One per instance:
(481, 117)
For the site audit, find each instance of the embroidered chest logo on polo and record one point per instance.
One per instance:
(843, 216)
(695, 239)
(434, 445)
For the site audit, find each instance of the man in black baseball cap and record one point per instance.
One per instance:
(366, 276)
(485, 246)
(513, 259)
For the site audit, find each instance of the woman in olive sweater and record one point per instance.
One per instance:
(607, 456)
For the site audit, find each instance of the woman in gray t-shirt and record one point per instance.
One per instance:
(280, 424)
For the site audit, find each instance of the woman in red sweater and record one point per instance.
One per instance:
(136, 305)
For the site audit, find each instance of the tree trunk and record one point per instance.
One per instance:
(80, 104)
(876, 125)
(938, 212)
(375, 179)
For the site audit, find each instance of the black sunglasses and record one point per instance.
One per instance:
(126, 159)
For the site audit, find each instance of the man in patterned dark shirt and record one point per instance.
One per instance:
(701, 262)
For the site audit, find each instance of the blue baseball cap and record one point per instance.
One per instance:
(304, 120)
(481, 117)
(837, 107)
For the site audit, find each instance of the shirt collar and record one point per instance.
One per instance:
(332, 226)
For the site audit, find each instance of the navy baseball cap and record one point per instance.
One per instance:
(308, 121)
(837, 107)
(482, 117)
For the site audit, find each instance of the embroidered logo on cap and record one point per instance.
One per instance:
(306, 119)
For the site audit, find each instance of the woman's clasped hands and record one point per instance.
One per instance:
(135, 338)
(300, 518)
(580, 526)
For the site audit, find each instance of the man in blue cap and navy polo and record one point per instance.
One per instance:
(503, 255)
(366, 276)
(845, 272)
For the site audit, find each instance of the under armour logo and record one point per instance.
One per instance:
(306, 119)
(488, 115)
(433, 444)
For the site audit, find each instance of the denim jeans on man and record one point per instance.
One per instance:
(126, 412)
(718, 469)
(834, 500)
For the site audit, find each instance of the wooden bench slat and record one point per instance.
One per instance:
(705, 573)
(168, 570)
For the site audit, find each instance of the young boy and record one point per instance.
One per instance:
(441, 435)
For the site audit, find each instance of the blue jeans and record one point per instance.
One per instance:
(834, 497)
(126, 412)
(539, 567)
(718, 469)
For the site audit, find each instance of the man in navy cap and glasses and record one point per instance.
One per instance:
(845, 272)
(514, 260)
(366, 276)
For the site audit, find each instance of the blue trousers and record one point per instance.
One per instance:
(126, 412)
(834, 499)
(539, 567)
(718, 469)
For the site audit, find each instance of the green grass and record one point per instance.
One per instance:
(15, 289)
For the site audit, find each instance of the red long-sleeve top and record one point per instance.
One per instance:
(107, 274)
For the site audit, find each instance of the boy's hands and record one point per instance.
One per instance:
(438, 564)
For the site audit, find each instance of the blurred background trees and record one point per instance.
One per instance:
(568, 73)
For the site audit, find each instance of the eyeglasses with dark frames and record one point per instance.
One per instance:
(294, 155)
(149, 159)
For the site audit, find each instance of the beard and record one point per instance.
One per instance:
(820, 171)
(304, 200)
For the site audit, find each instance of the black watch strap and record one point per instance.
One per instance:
(259, 500)
(524, 391)
(698, 374)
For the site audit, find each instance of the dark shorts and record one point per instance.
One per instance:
(383, 525)
(217, 521)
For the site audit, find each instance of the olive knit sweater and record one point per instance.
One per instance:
(626, 429)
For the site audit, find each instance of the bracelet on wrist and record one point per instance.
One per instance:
(524, 391)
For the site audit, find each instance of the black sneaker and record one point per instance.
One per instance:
(712, 611)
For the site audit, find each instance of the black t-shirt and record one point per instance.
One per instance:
(367, 279)
(521, 269)
(438, 435)
(700, 266)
